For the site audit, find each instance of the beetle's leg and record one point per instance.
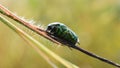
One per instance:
(78, 43)
(69, 47)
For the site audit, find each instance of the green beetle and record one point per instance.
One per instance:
(63, 33)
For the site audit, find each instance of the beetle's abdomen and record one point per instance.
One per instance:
(65, 34)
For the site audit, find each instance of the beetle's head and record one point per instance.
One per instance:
(52, 26)
(49, 28)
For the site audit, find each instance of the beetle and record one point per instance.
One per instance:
(62, 32)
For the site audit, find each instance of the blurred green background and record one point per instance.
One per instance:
(97, 23)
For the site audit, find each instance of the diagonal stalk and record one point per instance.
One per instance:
(37, 44)
(36, 29)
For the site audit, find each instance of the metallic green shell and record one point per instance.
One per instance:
(62, 32)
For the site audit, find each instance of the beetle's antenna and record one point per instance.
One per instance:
(96, 56)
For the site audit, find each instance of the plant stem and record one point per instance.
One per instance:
(39, 46)
(96, 56)
(20, 33)
(34, 28)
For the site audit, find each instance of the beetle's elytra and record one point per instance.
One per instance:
(61, 31)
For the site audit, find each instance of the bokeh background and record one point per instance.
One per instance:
(96, 22)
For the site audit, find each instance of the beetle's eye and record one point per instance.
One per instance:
(49, 27)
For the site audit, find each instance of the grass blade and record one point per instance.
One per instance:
(37, 44)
